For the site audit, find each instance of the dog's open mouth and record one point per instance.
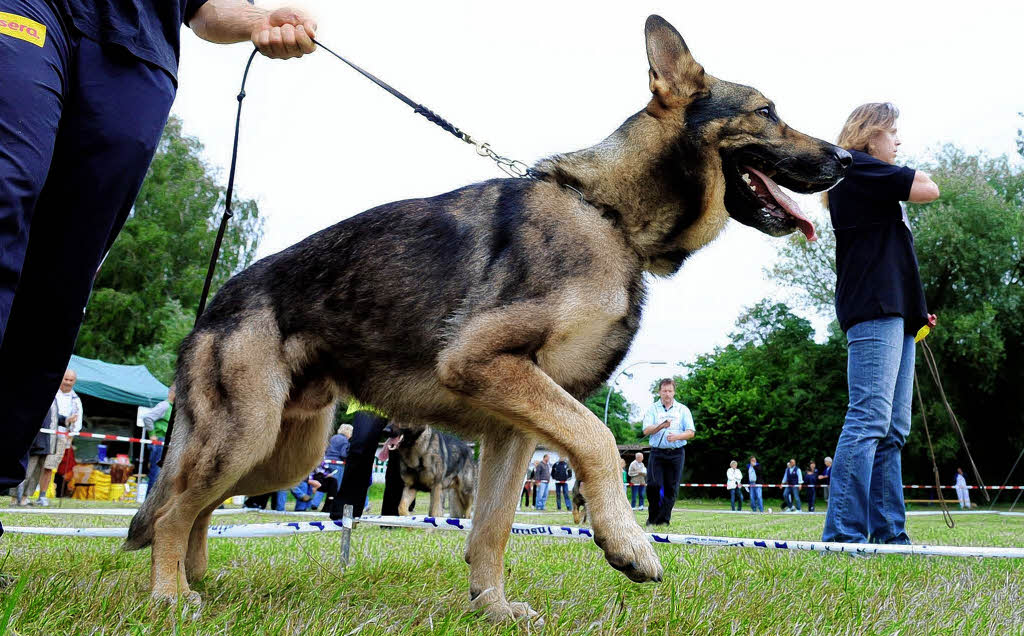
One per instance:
(774, 201)
(389, 446)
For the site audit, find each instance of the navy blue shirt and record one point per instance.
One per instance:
(876, 267)
(149, 30)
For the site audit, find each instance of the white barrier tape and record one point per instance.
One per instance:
(443, 523)
(105, 512)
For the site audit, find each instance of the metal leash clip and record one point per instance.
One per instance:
(511, 167)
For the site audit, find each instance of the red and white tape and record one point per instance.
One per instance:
(112, 438)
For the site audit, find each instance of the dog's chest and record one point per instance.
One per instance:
(591, 330)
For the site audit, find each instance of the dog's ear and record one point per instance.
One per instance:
(676, 78)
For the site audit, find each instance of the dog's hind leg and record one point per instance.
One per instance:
(504, 455)
(485, 364)
(196, 558)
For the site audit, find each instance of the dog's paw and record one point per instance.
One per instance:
(628, 551)
(190, 603)
(499, 610)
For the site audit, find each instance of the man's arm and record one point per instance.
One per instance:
(688, 428)
(282, 33)
(652, 426)
(152, 415)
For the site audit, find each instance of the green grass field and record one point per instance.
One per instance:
(413, 581)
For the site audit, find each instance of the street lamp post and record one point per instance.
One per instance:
(611, 384)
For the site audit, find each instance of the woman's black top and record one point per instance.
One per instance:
(876, 267)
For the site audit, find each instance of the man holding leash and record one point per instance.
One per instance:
(87, 88)
(670, 425)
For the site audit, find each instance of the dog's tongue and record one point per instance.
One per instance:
(389, 446)
(789, 204)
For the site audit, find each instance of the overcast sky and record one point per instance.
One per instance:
(320, 143)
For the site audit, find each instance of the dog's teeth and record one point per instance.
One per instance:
(746, 178)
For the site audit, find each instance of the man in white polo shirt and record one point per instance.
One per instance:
(669, 424)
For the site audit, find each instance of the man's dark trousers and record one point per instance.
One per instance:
(810, 496)
(663, 474)
(79, 123)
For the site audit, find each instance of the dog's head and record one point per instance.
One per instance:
(728, 150)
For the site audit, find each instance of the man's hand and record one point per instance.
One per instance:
(932, 320)
(72, 418)
(314, 483)
(285, 33)
(675, 437)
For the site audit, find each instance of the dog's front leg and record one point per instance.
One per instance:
(486, 364)
(504, 456)
(436, 507)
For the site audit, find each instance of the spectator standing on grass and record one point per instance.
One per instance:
(528, 484)
(792, 481)
(823, 478)
(669, 425)
(542, 480)
(963, 494)
(811, 480)
(155, 421)
(881, 307)
(561, 473)
(638, 482)
(756, 483)
(70, 412)
(43, 445)
(733, 481)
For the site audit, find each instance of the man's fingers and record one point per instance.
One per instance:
(276, 42)
(304, 40)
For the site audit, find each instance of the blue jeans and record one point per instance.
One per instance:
(636, 498)
(301, 491)
(734, 494)
(793, 495)
(562, 491)
(756, 501)
(155, 453)
(866, 502)
(540, 497)
(280, 499)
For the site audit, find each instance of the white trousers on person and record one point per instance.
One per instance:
(964, 495)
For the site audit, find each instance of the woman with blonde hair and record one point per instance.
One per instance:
(881, 306)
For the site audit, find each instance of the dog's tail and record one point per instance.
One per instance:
(140, 532)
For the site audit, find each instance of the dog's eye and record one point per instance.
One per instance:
(765, 112)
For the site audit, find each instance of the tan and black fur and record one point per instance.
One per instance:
(490, 311)
(438, 463)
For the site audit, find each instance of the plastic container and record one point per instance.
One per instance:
(101, 452)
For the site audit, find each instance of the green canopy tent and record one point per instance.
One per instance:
(122, 383)
(111, 396)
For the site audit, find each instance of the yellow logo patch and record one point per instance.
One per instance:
(22, 28)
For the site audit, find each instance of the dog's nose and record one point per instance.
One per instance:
(845, 158)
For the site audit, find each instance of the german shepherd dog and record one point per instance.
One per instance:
(490, 311)
(438, 463)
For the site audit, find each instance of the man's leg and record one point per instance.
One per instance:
(654, 471)
(670, 484)
(112, 117)
(31, 101)
(393, 487)
(154, 462)
(366, 431)
(810, 499)
(796, 498)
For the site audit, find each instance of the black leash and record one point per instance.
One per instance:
(511, 167)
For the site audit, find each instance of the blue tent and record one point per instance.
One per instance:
(127, 384)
